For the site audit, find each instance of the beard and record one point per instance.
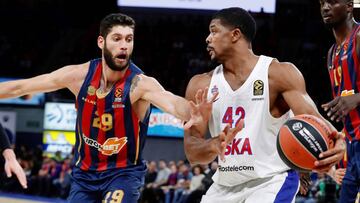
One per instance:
(110, 61)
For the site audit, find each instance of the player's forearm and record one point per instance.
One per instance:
(175, 105)
(198, 150)
(10, 89)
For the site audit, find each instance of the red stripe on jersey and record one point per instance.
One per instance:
(87, 115)
(135, 122)
(121, 160)
(101, 133)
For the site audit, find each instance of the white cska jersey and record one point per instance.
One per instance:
(252, 154)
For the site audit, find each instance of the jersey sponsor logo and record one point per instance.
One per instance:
(258, 88)
(235, 168)
(257, 99)
(345, 93)
(91, 90)
(109, 147)
(239, 147)
(93, 102)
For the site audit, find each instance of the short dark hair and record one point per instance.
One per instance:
(235, 17)
(115, 19)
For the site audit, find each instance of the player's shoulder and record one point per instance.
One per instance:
(201, 80)
(281, 69)
(284, 75)
(75, 68)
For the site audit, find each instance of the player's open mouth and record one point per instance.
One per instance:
(121, 57)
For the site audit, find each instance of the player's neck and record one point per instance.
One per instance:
(341, 32)
(110, 76)
(240, 61)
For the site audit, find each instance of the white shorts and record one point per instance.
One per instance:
(280, 188)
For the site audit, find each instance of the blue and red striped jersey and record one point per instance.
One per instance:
(344, 70)
(109, 133)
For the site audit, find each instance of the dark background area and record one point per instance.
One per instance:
(40, 36)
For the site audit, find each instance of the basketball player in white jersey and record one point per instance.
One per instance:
(254, 96)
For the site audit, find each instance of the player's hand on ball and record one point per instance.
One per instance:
(332, 156)
(226, 137)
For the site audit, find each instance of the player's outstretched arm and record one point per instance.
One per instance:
(290, 82)
(69, 76)
(149, 89)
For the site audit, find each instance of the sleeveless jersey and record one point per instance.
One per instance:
(109, 133)
(344, 71)
(252, 154)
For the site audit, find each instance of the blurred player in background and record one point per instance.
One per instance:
(113, 99)
(344, 68)
(256, 92)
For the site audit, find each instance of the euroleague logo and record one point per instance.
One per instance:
(297, 126)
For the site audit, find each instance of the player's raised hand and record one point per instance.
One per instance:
(201, 110)
(226, 137)
(339, 107)
(12, 166)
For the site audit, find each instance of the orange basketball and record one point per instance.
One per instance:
(301, 140)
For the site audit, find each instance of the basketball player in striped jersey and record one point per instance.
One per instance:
(344, 69)
(113, 99)
(256, 92)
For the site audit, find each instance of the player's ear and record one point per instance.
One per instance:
(236, 34)
(349, 6)
(101, 42)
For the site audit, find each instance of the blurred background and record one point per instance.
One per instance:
(40, 36)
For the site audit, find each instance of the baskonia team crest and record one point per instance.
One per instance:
(91, 90)
(258, 87)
